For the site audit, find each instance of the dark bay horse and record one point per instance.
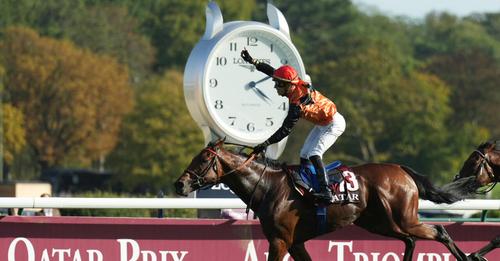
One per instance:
(483, 164)
(480, 169)
(388, 203)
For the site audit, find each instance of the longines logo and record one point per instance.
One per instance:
(241, 62)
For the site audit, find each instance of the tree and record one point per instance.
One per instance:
(73, 101)
(474, 78)
(45, 16)
(14, 134)
(104, 28)
(13, 137)
(318, 27)
(464, 53)
(421, 110)
(159, 138)
(491, 23)
(176, 26)
(111, 30)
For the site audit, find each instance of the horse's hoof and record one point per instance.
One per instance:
(476, 257)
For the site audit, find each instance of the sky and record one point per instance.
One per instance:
(419, 8)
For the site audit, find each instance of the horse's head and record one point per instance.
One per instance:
(484, 163)
(202, 171)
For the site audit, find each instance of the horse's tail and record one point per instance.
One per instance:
(429, 192)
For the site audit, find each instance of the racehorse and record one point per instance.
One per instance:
(483, 163)
(481, 168)
(388, 202)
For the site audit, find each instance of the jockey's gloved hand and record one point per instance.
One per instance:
(246, 56)
(260, 148)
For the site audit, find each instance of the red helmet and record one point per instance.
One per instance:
(286, 73)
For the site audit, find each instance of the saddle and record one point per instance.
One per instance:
(342, 181)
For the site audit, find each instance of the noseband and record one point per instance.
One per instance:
(485, 164)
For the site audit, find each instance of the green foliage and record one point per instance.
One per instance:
(13, 132)
(72, 100)
(110, 30)
(46, 16)
(318, 33)
(465, 72)
(159, 138)
(104, 29)
(169, 20)
(96, 212)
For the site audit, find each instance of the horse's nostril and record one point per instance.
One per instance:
(178, 185)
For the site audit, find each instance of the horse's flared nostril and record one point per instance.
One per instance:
(178, 186)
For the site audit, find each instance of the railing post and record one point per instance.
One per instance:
(483, 215)
(160, 211)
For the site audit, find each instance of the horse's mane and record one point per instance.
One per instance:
(497, 145)
(490, 143)
(466, 187)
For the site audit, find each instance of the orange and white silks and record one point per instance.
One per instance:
(320, 111)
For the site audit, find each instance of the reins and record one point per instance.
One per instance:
(250, 158)
(488, 189)
(216, 155)
(485, 161)
(255, 188)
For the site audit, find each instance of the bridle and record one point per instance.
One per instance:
(198, 178)
(214, 163)
(485, 164)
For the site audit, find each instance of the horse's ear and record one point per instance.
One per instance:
(220, 142)
(492, 145)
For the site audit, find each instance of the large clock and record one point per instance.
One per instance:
(227, 96)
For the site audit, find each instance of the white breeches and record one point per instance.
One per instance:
(322, 137)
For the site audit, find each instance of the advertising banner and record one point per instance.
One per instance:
(150, 239)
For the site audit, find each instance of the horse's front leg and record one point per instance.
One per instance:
(298, 252)
(277, 249)
(478, 255)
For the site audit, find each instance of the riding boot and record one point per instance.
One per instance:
(305, 166)
(324, 194)
(304, 162)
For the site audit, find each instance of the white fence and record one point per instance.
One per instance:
(196, 203)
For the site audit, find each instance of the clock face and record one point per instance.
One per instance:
(240, 99)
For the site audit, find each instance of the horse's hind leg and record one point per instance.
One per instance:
(438, 233)
(409, 248)
(478, 255)
(298, 252)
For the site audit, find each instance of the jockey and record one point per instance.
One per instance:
(311, 105)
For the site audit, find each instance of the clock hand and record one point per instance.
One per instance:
(261, 94)
(248, 66)
(253, 85)
(261, 80)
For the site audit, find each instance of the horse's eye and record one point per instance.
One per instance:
(205, 159)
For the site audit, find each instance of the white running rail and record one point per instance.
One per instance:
(197, 203)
